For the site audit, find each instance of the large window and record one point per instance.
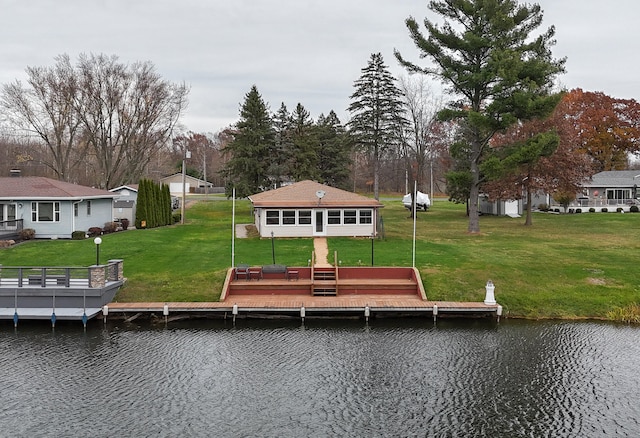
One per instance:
(273, 217)
(304, 217)
(333, 217)
(288, 217)
(366, 216)
(349, 217)
(45, 212)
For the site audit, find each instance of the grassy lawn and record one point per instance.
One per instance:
(579, 265)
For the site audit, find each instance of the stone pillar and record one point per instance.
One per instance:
(97, 276)
(116, 270)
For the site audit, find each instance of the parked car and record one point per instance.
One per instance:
(422, 201)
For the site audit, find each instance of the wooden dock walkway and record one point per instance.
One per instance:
(306, 306)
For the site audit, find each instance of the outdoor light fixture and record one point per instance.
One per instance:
(97, 241)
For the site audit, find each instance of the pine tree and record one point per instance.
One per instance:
(249, 152)
(304, 153)
(498, 72)
(377, 112)
(334, 151)
(279, 163)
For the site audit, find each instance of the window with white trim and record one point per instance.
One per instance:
(288, 217)
(273, 217)
(366, 216)
(350, 217)
(45, 211)
(304, 217)
(333, 217)
(88, 208)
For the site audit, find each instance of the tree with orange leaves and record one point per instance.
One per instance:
(563, 171)
(608, 129)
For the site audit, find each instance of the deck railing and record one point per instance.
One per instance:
(10, 228)
(95, 276)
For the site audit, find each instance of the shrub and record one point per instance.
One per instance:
(27, 234)
(604, 209)
(125, 223)
(543, 207)
(78, 235)
(634, 209)
(578, 210)
(619, 210)
(94, 231)
(177, 217)
(592, 210)
(110, 227)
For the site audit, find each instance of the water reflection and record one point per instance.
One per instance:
(323, 378)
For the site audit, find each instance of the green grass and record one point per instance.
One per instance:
(564, 266)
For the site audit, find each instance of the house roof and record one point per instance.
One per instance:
(303, 194)
(132, 187)
(615, 178)
(37, 187)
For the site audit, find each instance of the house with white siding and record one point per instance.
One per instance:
(54, 209)
(311, 209)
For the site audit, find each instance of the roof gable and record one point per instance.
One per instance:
(304, 194)
(37, 187)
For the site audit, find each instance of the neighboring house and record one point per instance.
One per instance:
(308, 209)
(511, 207)
(611, 188)
(54, 209)
(191, 185)
(124, 205)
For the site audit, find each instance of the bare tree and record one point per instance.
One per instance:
(423, 135)
(128, 115)
(101, 118)
(46, 108)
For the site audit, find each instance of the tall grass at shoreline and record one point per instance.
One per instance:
(564, 266)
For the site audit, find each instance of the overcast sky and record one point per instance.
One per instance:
(307, 51)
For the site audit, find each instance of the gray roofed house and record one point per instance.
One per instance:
(611, 188)
(54, 209)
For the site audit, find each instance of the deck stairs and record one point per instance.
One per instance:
(324, 279)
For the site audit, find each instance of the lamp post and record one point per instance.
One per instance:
(372, 239)
(97, 241)
(273, 249)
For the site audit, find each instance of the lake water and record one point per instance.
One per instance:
(390, 378)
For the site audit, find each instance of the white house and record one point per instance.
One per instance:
(54, 209)
(308, 209)
(124, 205)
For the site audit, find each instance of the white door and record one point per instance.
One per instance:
(319, 226)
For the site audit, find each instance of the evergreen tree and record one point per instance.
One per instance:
(485, 53)
(377, 112)
(304, 154)
(141, 204)
(249, 152)
(279, 163)
(333, 151)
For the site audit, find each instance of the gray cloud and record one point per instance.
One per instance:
(294, 51)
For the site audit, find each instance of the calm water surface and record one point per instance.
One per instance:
(390, 378)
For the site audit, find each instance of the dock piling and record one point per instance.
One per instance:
(435, 313)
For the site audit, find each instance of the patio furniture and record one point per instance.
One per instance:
(242, 270)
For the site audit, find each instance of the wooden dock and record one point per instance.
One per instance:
(309, 306)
